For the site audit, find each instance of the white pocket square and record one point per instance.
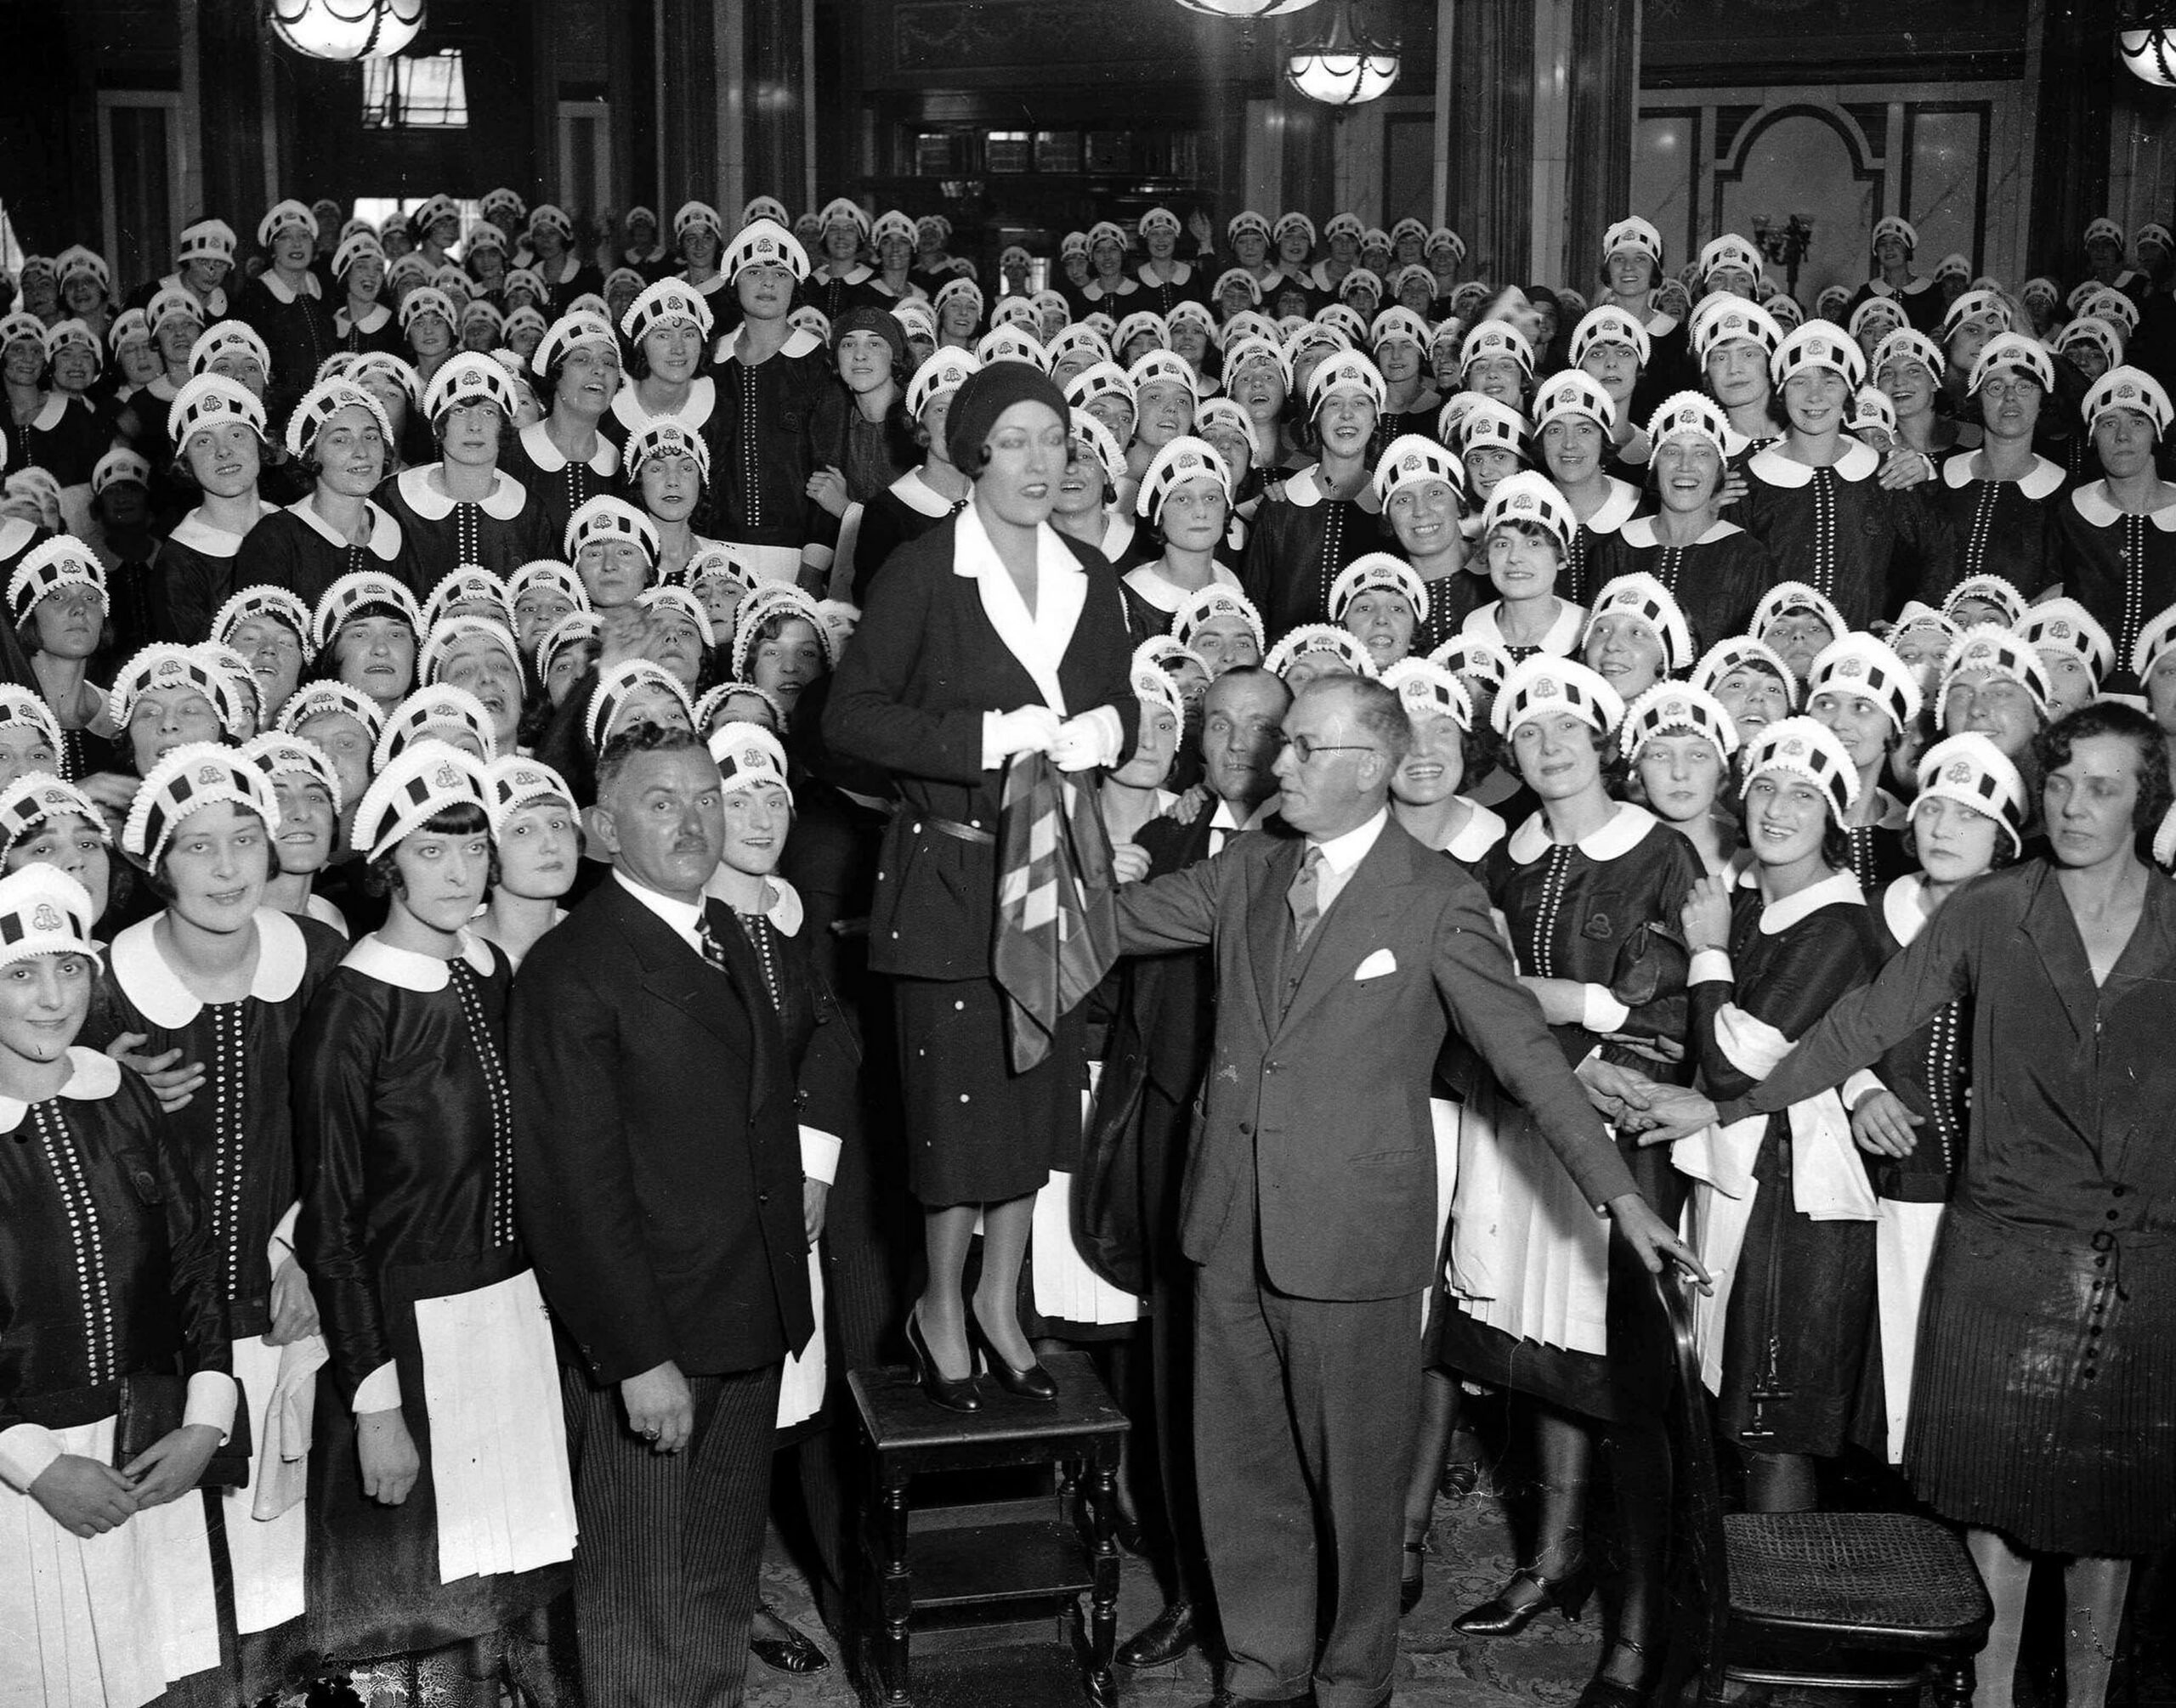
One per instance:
(1382, 961)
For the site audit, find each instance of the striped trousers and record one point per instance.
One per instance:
(665, 1572)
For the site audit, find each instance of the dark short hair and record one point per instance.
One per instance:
(161, 884)
(382, 877)
(2052, 750)
(1376, 709)
(630, 743)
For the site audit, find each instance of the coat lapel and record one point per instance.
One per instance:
(1037, 639)
(674, 972)
(1363, 918)
(2053, 935)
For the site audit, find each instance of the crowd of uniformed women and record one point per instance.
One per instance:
(1741, 639)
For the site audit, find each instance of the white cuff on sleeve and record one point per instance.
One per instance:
(819, 1155)
(213, 1398)
(26, 1451)
(1600, 1011)
(1709, 964)
(817, 556)
(380, 1390)
(994, 755)
(1859, 1084)
(281, 1246)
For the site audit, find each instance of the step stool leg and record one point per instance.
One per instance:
(1103, 1602)
(894, 1662)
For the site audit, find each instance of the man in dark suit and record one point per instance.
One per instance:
(660, 1188)
(1342, 953)
(1158, 1045)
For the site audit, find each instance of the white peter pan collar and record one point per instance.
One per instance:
(1640, 534)
(1661, 326)
(2041, 481)
(1304, 489)
(92, 1077)
(407, 969)
(1623, 831)
(1616, 510)
(385, 532)
(1482, 831)
(148, 979)
(799, 343)
(374, 317)
(1900, 908)
(536, 445)
(919, 496)
(1563, 635)
(15, 535)
(1777, 917)
(49, 413)
(702, 398)
(782, 903)
(503, 503)
(1153, 588)
(200, 536)
(1858, 461)
(282, 291)
(859, 272)
(2093, 503)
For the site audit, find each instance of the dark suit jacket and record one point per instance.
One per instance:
(1319, 1109)
(657, 1147)
(909, 695)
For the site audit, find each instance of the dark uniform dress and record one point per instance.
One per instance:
(196, 575)
(297, 549)
(377, 332)
(935, 650)
(557, 485)
(2121, 567)
(1878, 854)
(1919, 299)
(1299, 543)
(299, 332)
(404, 1152)
(65, 438)
(1837, 530)
(905, 510)
(764, 450)
(106, 1270)
(1602, 911)
(1930, 1073)
(442, 534)
(831, 294)
(1790, 1374)
(2043, 1404)
(236, 1137)
(2005, 527)
(1716, 580)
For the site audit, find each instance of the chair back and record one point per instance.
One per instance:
(1698, 1476)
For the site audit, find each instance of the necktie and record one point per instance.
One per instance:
(713, 948)
(1306, 914)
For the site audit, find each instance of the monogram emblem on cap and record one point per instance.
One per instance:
(55, 797)
(207, 773)
(45, 917)
(1959, 772)
(1674, 709)
(1794, 748)
(445, 776)
(1851, 667)
(168, 667)
(1979, 653)
(1412, 463)
(1547, 688)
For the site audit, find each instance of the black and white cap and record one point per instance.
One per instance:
(1214, 604)
(1641, 598)
(470, 378)
(1676, 708)
(748, 756)
(1378, 572)
(423, 780)
(365, 591)
(1861, 663)
(1545, 685)
(187, 779)
(44, 911)
(1319, 637)
(1805, 748)
(1181, 460)
(1430, 690)
(278, 755)
(516, 783)
(1970, 768)
(63, 561)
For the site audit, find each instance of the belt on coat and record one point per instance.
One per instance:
(959, 832)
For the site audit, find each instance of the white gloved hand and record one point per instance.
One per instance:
(1082, 741)
(1024, 729)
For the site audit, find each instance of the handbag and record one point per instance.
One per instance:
(151, 1406)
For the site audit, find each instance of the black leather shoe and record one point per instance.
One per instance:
(792, 1653)
(1501, 1616)
(1164, 1639)
(943, 1390)
(1034, 1382)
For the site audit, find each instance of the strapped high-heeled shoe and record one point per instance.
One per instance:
(1500, 1616)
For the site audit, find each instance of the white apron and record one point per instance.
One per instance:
(103, 1622)
(1065, 1287)
(498, 1435)
(1529, 1255)
(266, 1552)
(1903, 1251)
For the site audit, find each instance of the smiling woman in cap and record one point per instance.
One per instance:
(340, 438)
(565, 460)
(989, 637)
(287, 305)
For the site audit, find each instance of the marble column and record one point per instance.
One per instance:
(1603, 116)
(777, 110)
(2070, 165)
(1491, 97)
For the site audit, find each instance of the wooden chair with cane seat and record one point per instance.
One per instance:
(1833, 1601)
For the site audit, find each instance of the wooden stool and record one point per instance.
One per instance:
(966, 1565)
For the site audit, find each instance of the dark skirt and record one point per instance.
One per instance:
(977, 1131)
(1632, 1379)
(2043, 1404)
(1801, 1316)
